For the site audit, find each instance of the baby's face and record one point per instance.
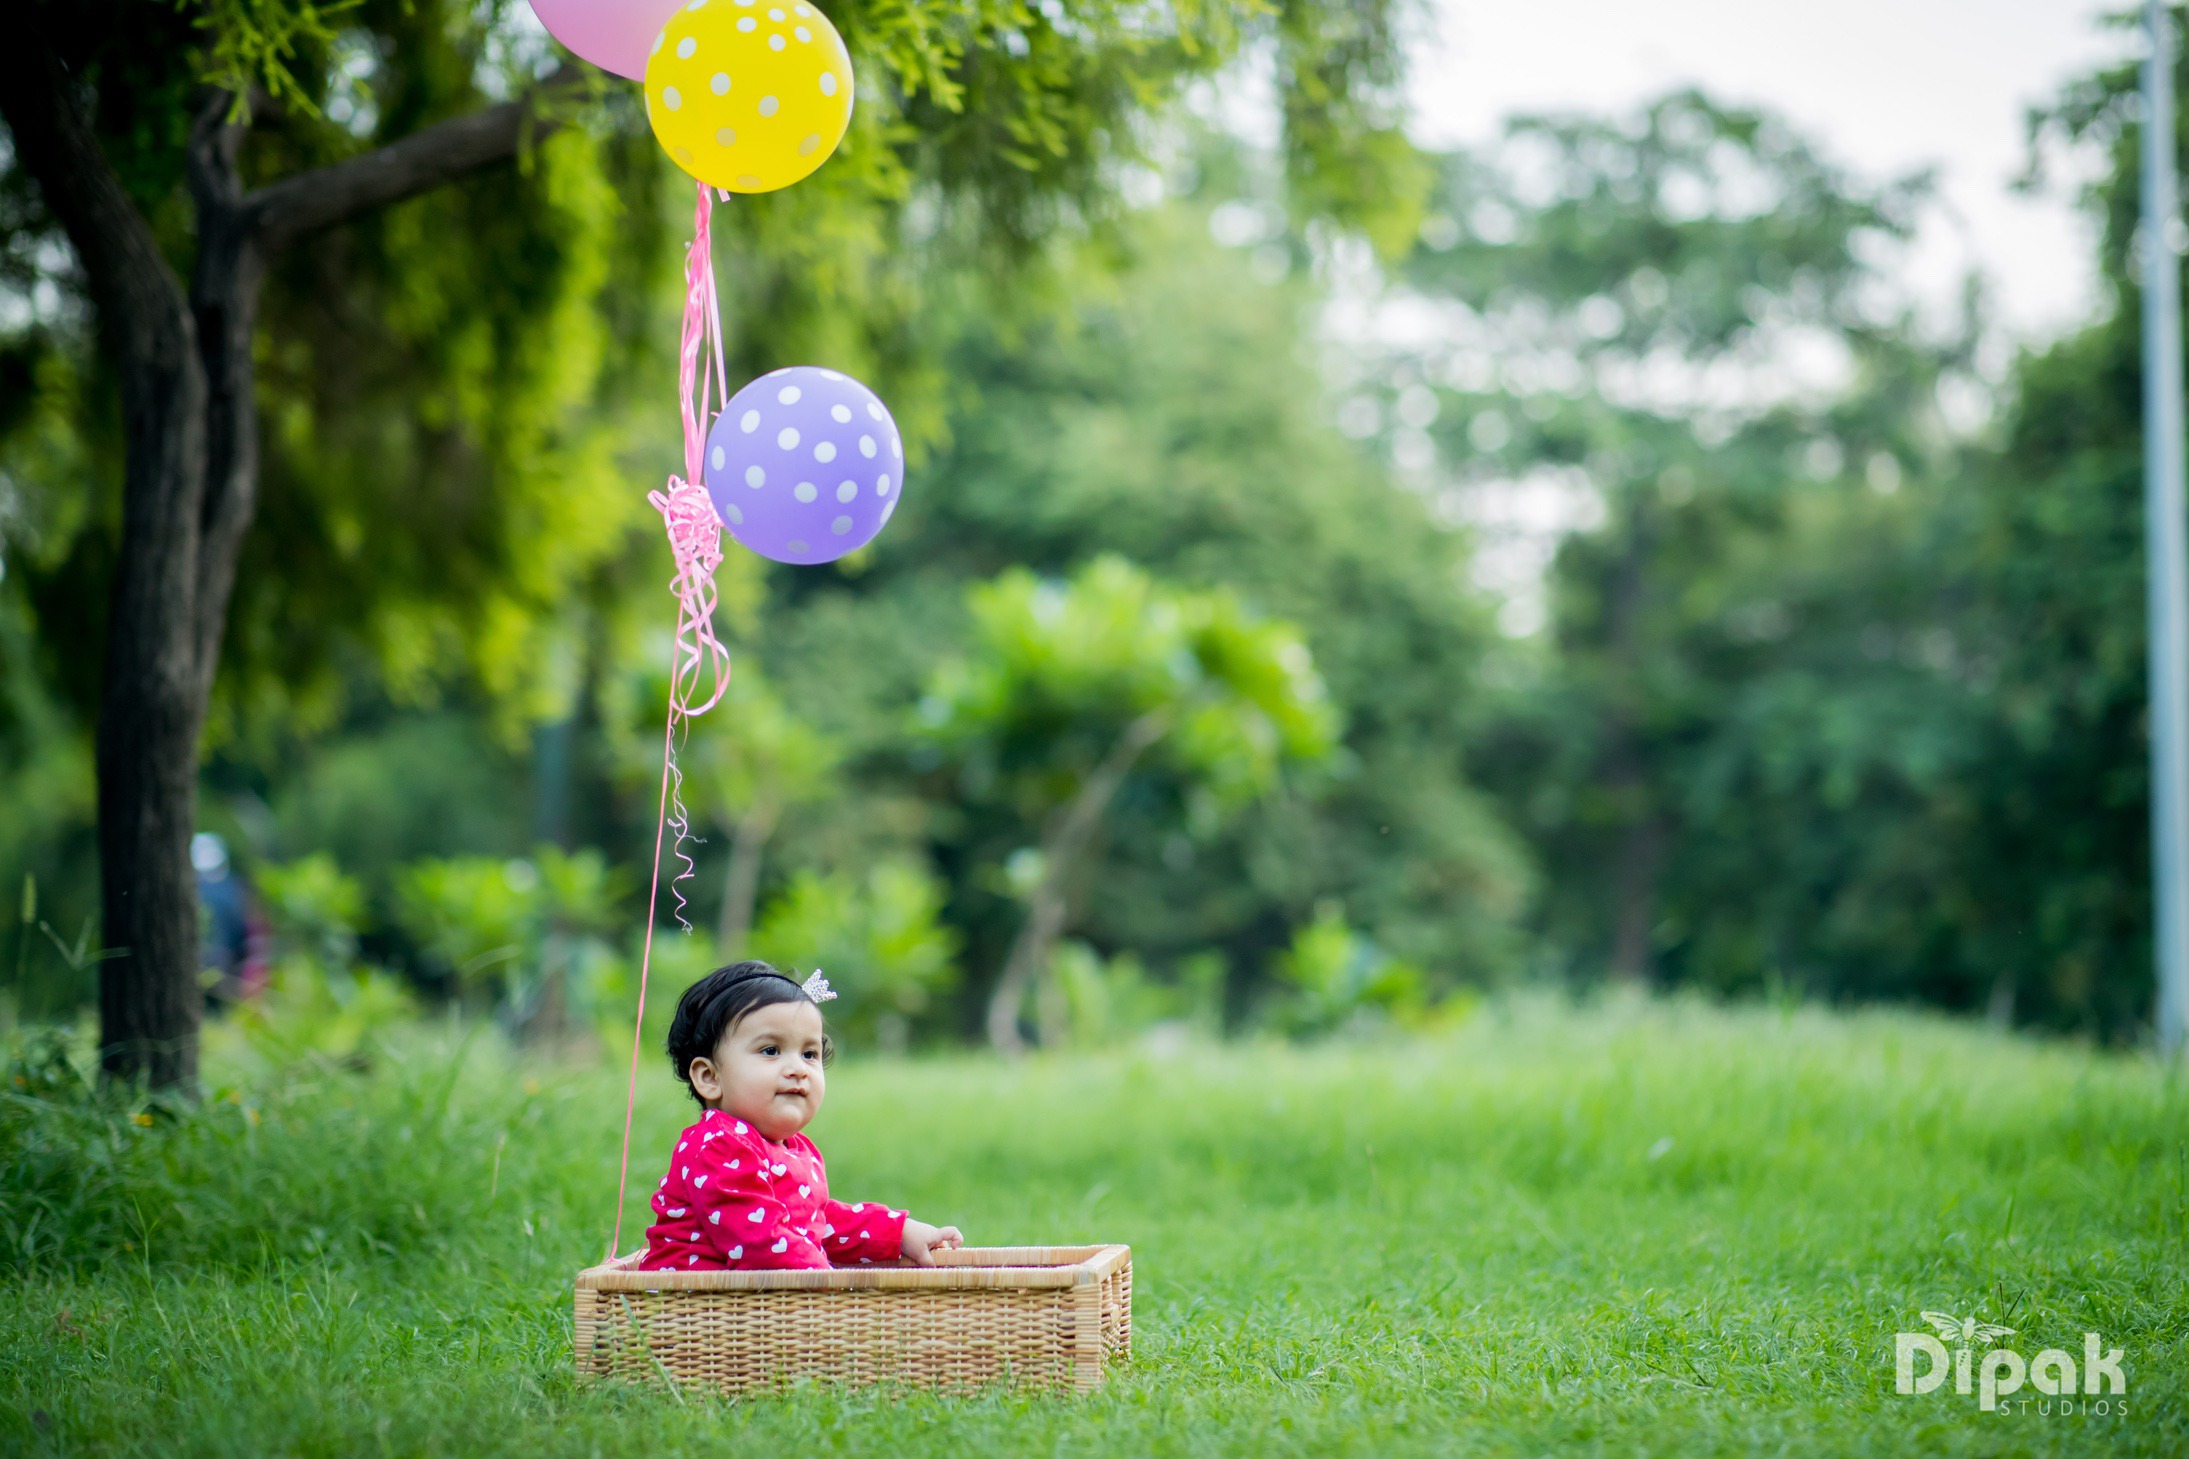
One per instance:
(768, 1068)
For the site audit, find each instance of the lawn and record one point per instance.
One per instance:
(1628, 1227)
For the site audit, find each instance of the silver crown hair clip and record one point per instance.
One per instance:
(816, 988)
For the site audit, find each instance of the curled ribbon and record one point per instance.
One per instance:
(697, 657)
(695, 532)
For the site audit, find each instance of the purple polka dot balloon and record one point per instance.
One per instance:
(804, 465)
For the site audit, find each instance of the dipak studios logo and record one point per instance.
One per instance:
(1997, 1376)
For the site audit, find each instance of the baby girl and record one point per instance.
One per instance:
(745, 1190)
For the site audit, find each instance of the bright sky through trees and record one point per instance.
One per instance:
(1885, 86)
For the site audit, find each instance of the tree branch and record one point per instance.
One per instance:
(139, 299)
(287, 210)
(224, 290)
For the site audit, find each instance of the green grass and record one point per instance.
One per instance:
(1632, 1228)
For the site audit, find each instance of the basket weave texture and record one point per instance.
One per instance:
(1026, 1317)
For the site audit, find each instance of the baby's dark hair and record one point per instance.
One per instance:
(713, 1005)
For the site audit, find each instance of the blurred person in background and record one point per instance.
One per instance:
(233, 934)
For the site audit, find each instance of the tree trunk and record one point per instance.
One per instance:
(1639, 854)
(748, 839)
(1048, 906)
(1634, 899)
(189, 488)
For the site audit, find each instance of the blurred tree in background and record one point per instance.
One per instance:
(1676, 321)
(1843, 685)
(1679, 611)
(1072, 691)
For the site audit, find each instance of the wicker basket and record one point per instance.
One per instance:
(1029, 1317)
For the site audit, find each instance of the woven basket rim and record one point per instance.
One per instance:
(988, 1267)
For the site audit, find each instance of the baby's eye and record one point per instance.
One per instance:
(770, 1050)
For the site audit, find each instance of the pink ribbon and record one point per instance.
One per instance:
(696, 656)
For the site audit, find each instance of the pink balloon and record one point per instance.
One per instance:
(615, 35)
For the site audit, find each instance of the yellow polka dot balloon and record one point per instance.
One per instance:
(749, 95)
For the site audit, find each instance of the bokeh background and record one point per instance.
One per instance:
(1654, 498)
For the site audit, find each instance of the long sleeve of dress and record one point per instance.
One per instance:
(863, 1231)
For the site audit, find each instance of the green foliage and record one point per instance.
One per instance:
(449, 388)
(1511, 1237)
(1741, 748)
(315, 908)
(1176, 420)
(320, 1001)
(1091, 1002)
(255, 42)
(1057, 672)
(879, 938)
(526, 934)
(315, 1010)
(1333, 977)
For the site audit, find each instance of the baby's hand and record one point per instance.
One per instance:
(920, 1241)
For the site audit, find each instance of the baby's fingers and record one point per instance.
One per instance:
(949, 1236)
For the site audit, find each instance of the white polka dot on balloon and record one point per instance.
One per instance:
(755, 477)
(804, 491)
(841, 414)
(787, 437)
(751, 422)
(825, 452)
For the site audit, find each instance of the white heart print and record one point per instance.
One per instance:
(779, 1169)
(781, 1243)
(676, 1211)
(714, 1218)
(757, 1214)
(736, 1252)
(805, 1190)
(701, 1183)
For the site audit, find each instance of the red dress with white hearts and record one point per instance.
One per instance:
(734, 1200)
